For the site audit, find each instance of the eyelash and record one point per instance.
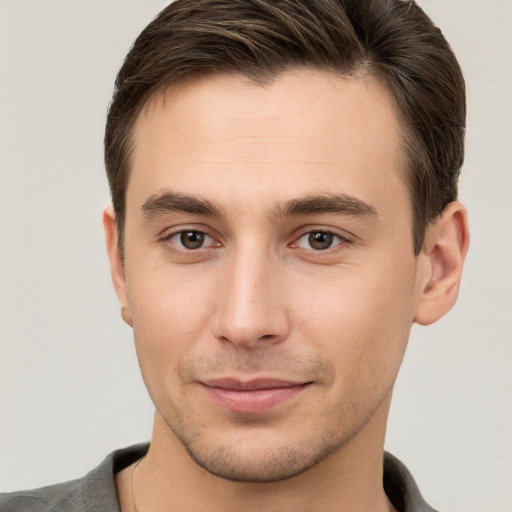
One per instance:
(168, 238)
(335, 239)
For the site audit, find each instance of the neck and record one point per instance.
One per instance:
(350, 479)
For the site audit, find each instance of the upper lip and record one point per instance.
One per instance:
(250, 385)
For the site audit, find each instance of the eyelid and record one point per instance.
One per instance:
(334, 244)
(169, 233)
(204, 245)
(344, 236)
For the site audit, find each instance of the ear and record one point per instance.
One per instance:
(116, 263)
(446, 245)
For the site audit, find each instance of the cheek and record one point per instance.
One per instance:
(167, 299)
(170, 313)
(361, 320)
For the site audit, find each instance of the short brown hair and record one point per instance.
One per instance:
(393, 40)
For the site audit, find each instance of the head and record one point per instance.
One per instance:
(391, 40)
(283, 178)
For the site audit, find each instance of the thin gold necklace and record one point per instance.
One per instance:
(131, 483)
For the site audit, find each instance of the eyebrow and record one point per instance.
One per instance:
(337, 204)
(168, 201)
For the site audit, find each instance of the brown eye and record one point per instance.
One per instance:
(191, 239)
(320, 240)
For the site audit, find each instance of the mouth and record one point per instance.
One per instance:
(253, 396)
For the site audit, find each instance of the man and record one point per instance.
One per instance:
(283, 177)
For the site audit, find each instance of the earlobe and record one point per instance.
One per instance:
(446, 245)
(116, 263)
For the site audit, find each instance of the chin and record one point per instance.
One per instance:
(260, 464)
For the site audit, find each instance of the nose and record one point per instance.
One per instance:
(250, 307)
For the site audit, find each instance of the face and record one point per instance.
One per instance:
(269, 273)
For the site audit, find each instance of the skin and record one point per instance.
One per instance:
(229, 160)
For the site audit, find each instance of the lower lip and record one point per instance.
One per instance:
(253, 400)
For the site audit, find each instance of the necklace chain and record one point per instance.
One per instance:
(131, 483)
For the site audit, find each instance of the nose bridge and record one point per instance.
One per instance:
(249, 308)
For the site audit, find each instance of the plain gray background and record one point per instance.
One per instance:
(70, 390)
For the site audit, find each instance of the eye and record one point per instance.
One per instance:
(319, 240)
(190, 239)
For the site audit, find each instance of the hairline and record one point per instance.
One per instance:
(409, 143)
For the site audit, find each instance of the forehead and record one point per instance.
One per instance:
(305, 130)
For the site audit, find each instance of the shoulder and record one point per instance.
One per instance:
(64, 496)
(401, 488)
(94, 492)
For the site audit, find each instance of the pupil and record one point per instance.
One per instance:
(192, 239)
(320, 241)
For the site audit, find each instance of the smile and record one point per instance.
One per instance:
(253, 396)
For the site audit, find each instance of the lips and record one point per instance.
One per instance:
(253, 396)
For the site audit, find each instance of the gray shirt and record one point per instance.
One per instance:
(96, 492)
